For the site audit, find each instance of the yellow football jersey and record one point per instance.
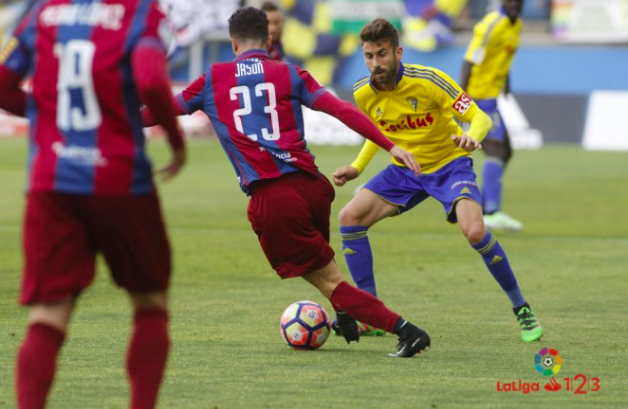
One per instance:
(418, 116)
(495, 41)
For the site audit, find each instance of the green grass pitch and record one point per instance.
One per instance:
(571, 262)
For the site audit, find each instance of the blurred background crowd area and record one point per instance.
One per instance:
(571, 64)
(321, 35)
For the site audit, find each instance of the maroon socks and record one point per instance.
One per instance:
(36, 365)
(363, 307)
(147, 356)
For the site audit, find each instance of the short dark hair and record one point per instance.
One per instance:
(380, 30)
(248, 23)
(270, 6)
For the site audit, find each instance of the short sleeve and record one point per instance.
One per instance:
(477, 49)
(191, 99)
(310, 90)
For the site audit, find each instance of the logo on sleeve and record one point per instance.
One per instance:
(462, 104)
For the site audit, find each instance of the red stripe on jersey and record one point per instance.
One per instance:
(279, 75)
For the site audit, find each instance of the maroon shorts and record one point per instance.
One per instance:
(63, 233)
(290, 216)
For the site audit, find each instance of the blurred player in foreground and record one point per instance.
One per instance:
(90, 185)
(485, 73)
(415, 107)
(254, 105)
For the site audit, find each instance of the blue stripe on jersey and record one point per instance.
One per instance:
(307, 96)
(451, 94)
(193, 104)
(360, 83)
(259, 120)
(29, 33)
(33, 146)
(296, 104)
(138, 25)
(75, 174)
(412, 70)
(142, 180)
(247, 172)
(297, 111)
(435, 78)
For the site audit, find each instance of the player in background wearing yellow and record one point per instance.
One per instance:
(417, 107)
(485, 74)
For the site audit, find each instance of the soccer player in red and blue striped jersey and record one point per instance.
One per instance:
(254, 104)
(90, 185)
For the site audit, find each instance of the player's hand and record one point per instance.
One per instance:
(408, 159)
(465, 142)
(169, 171)
(344, 174)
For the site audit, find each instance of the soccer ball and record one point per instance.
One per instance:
(304, 325)
(548, 361)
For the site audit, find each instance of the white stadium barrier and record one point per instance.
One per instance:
(605, 128)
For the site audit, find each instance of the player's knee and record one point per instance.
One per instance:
(149, 300)
(347, 217)
(475, 234)
(56, 315)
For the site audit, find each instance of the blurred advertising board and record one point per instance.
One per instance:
(590, 21)
(349, 16)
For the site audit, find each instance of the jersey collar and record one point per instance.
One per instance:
(399, 77)
(254, 53)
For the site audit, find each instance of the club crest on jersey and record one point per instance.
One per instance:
(413, 102)
(462, 104)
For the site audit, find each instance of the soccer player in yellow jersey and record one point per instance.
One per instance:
(485, 74)
(417, 108)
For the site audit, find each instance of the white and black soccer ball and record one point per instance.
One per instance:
(305, 325)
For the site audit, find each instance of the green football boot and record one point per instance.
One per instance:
(531, 329)
(502, 222)
(369, 330)
(364, 330)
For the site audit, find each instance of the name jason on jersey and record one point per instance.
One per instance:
(249, 69)
(408, 123)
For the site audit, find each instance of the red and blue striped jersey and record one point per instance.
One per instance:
(254, 104)
(86, 130)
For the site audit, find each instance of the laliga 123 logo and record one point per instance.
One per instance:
(548, 362)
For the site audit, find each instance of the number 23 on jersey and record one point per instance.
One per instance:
(247, 109)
